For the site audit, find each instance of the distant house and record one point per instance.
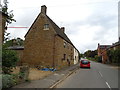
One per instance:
(47, 45)
(102, 52)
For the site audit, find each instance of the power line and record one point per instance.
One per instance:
(17, 27)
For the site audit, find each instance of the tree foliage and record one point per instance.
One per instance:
(10, 15)
(9, 60)
(9, 57)
(114, 55)
(81, 55)
(90, 53)
(14, 42)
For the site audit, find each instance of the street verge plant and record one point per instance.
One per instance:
(8, 81)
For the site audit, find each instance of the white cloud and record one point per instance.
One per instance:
(87, 22)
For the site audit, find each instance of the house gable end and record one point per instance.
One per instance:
(38, 19)
(32, 25)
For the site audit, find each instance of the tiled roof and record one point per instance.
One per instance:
(116, 44)
(104, 46)
(59, 31)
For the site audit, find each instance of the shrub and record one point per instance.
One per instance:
(99, 59)
(21, 75)
(8, 81)
(9, 60)
(96, 57)
(114, 55)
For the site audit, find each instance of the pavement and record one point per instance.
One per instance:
(50, 81)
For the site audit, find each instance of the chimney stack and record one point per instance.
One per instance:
(63, 29)
(98, 45)
(43, 9)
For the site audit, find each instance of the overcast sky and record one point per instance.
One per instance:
(86, 22)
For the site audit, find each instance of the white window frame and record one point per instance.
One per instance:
(46, 27)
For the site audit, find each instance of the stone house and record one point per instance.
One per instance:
(47, 45)
(102, 50)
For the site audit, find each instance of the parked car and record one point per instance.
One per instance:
(84, 64)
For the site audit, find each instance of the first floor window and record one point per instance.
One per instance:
(64, 44)
(46, 26)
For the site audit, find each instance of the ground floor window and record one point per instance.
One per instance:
(64, 56)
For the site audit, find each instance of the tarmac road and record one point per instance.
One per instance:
(99, 76)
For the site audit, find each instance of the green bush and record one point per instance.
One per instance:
(117, 55)
(7, 81)
(96, 57)
(9, 60)
(114, 55)
(99, 59)
(21, 75)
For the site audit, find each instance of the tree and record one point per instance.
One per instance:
(9, 17)
(20, 41)
(14, 42)
(81, 55)
(90, 53)
(9, 57)
(9, 14)
(87, 53)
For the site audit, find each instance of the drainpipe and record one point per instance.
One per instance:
(54, 51)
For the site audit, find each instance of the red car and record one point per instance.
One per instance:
(84, 64)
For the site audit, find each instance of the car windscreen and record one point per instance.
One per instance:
(84, 62)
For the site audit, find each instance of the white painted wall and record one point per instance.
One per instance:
(76, 56)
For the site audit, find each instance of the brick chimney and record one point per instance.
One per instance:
(63, 29)
(43, 9)
(98, 45)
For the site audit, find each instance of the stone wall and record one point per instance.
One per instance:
(60, 50)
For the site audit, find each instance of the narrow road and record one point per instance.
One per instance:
(99, 76)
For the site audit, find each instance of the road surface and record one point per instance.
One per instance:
(99, 76)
